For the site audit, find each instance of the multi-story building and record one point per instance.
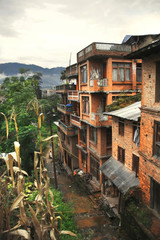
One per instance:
(149, 163)
(121, 170)
(103, 75)
(66, 131)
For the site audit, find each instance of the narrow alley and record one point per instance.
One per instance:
(90, 221)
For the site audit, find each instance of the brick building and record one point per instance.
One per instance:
(149, 164)
(103, 75)
(120, 172)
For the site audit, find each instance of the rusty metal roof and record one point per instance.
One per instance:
(121, 176)
(131, 112)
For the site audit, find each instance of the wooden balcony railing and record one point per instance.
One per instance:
(65, 87)
(75, 118)
(72, 70)
(64, 108)
(73, 95)
(69, 130)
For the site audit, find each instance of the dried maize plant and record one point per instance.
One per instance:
(20, 218)
(13, 117)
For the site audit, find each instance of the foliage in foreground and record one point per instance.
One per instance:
(20, 218)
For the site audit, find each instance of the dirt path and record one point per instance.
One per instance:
(90, 220)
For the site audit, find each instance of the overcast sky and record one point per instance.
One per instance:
(46, 32)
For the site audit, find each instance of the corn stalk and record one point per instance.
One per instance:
(20, 218)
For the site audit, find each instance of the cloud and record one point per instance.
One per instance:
(45, 32)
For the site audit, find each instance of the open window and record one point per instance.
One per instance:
(154, 194)
(94, 167)
(157, 85)
(121, 127)
(135, 164)
(121, 155)
(156, 142)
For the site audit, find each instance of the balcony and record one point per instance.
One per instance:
(68, 130)
(65, 88)
(75, 120)
(66, 109)
(103, 49)
(72, 71)
(98, 84)
(96, 119)
(73, 95)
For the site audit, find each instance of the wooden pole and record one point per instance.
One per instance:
(53, 159)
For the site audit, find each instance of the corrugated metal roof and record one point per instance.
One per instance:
(131, 112)
(122, 177)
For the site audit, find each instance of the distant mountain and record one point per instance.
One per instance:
(50, 76)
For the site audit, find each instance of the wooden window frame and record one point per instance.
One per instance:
(93, 134)
(135, 164)
(118, 67)
(121, 127)
(121, 154)
(83, 71)
(154, 194)
(156, 140)
(94, 167)
(83, 135)
(85, 102)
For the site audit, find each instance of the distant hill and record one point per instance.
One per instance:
(50, 76)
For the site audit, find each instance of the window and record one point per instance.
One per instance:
(121, 72)
(84, 74)
(86, 105)
(94, 167)
(83, 134)
(93, 134)
(139, 72)
(68, 140)
(157, 86)
(136, 133)
(121, 127)
(155, 195)
(156, 143)
(135, 164)
(121, 155)
(109, 136)
(83, 159)
(103, 103)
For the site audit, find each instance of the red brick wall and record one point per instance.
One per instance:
(125, 142)
(149, 165)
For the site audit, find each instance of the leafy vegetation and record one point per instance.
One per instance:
(28, 210)
(123, 101)
(17, 92)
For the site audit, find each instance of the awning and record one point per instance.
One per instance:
(119, 175)
(131, 112)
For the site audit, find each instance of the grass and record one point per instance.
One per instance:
(65, 211)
